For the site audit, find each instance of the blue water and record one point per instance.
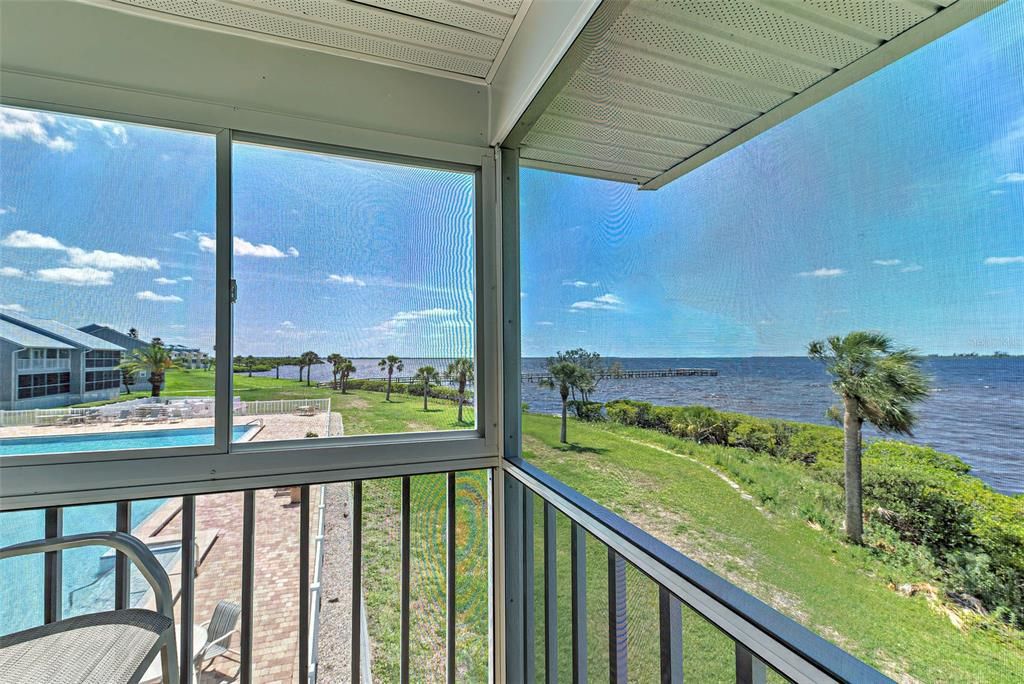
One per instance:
(975, 411)
(110, 441)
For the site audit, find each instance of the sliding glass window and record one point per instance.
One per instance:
(355, 295)
(105, 286)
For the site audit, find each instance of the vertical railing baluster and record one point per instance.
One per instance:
(550, 595)
(749, 670)
(450, 570)
(53, 563)
(617, 621)
(357, 578)
(122, 580)
(186, 604)
(529, 638)
(304, 584)
(404, 640)
(670, 619)
(513, 570)
(248, 579)
(579, 604)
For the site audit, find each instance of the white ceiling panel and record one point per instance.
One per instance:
(462, 39)
(654, 88)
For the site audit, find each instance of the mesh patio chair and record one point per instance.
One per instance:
(218, 631)
(112, 647)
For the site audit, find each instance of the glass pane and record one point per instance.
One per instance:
(21, 579)
(100, 230)
(88, 571)
(676, 328)
(355, 291)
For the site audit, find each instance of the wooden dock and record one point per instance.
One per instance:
(634, 374)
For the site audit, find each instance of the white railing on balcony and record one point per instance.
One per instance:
(45, 364)
(314, 588)
(255, 408)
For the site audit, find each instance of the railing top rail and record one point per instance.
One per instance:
(780, 642)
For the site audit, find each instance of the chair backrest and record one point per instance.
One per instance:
(225, 617)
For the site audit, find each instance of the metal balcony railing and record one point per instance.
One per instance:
(763, 637)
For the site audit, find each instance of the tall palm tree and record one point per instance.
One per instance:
(153, 359)
(461, 371)
(345, 368)
(334, 360)
(426, 376)
(877, 383)
(564, 375)
(391, 363)
(250, 363)
(308, 360)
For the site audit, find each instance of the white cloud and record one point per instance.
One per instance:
(912, 268)
(1012, 177)
(183, 235)
(11, 272)
(17, 308)
(185, 279)
(522, 294)
(287, 324)
(579, 283)
(98, 258)
(822, 273)
(997, 192)
(605, 302)
(165, 281)
(243, 247)
(79, 277)
(150, 296)
(1001, 261)
(7, 210)
(114, 134)
(23, 239)
(887, 262)
(544, 323)
(346, 280)
(395, 325)
(19, 124)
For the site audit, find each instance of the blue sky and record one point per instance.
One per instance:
(897, 204)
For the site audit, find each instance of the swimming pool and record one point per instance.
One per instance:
(113, 441)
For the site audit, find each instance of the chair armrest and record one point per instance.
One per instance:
(134, 549)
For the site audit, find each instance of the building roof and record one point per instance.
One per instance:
(52, 334)
(23, 337)
(115, 336)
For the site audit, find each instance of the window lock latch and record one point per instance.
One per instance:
(234, 291)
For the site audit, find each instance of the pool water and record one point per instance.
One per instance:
(113, 441)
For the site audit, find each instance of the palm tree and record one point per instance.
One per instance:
(133, 333)
(307, 361)
(392, 363)
(250, 362)
(427, 376)
(127, 378)
(461, 371)
(877, 383)
(155, 360)
(563, 376)
(334, 359)
(345, 368)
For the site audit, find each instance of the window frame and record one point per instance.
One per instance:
(35, 480)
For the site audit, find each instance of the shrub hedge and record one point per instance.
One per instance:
(928, 498)
(416, 390)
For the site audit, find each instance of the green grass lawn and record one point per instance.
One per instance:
(666, 486)
(756, 534)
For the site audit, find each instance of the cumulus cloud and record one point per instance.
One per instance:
(183, 235)
(185, 279)
(7, 210)
(605, 302)
(20, 124)
(397, 323)
(114, 134)
(579, 283)
(17, 308)
(98, 258)
(346, 280)
(242, 247)
(79, 277)
(887, 262)
(23, 239)
(912, 268)
(1012, 177)
(165, 281)
(150, 296)
(287, 324)
(1003, 260)
(822, 273)
(11, 272)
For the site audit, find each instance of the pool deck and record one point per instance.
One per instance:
(277, 426)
